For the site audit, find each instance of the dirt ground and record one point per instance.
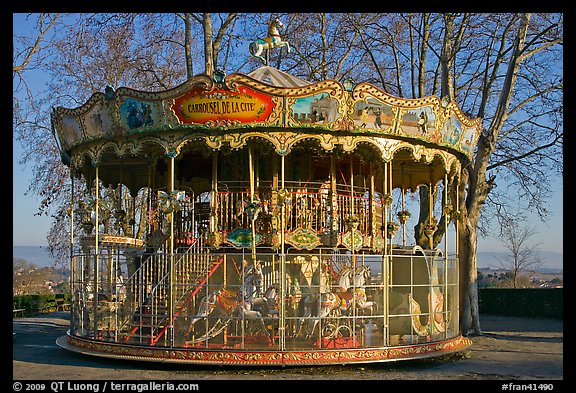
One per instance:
(510, 349)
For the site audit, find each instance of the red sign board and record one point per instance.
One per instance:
(244, 105)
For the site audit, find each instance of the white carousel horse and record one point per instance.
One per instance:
(350, 294)
(344, 281)
(272, 41)
(223, 304)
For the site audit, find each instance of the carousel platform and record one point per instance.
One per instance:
(255, 357)
(511, 348)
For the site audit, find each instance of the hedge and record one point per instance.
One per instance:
(522, 302)
(35, 304)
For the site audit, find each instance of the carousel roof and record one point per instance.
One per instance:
(275, 77)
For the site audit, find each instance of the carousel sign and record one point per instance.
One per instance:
(244, 106)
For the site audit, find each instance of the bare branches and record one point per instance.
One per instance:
(522, 253)
(23, 56)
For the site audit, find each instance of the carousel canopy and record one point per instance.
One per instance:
(122, 131)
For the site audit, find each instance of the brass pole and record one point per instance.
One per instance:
(385, 208)
(391, 189)
(253, 221)
(96, 252)
(351, 191)
(403, 224)
(171, 297)
(281, 328)
(446, 216)
(372, 207)
(214, 196)
(386, 260)
(430, 215)
(333, 202)
(445, 298)
(72, 267)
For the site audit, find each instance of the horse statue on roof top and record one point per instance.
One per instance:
(272, 41)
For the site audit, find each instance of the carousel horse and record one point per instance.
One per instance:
(268, 305)
(349, 293)
(247, 303)
(272, 41)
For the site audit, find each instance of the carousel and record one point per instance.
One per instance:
(259, 219)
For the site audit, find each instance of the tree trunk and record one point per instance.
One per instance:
(208, 41)
(469, 311)
(188, 45)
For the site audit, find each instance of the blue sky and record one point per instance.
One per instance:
(31, 230)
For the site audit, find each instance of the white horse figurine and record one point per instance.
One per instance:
(272, 41)
(349, 294)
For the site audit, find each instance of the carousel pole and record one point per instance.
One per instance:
(73, 300)
(171, 286)
(446, 222)
(385, 209)
(447, 214)
(431, 213)
(391, 189)
(253, 221)
(333, 203)
(404, 223)
(214, 192)
(351, 188)
(281, 328)
(386, 272)
(372, 208)
(96, 252)
(457, 246)
(403, 208)
(352, 210)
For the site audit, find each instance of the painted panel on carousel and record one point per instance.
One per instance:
(223, 107)
(98, 122)
(317, 109)
(373, 114)
(451, 130)
(468, 140)
(136, 114)
(420, 122)
(242, 238)
(71, 131)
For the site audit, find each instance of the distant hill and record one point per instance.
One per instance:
(552, 261)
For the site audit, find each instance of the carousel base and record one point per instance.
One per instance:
(243, 358)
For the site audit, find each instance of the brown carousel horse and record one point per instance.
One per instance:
(219, 307)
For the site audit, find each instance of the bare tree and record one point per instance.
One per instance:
(523, 256)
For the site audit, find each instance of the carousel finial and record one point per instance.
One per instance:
(348, 84)
(218, 76)
(109, 91)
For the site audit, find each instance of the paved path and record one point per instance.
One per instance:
(511, 349)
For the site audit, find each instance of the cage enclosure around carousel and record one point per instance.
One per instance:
(250, 222)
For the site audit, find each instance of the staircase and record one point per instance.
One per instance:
(146, 313)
